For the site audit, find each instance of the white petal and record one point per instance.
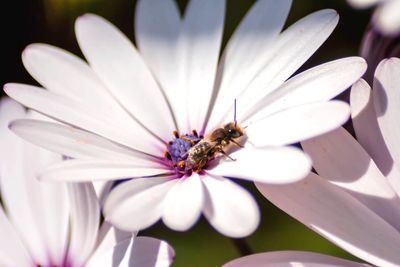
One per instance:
(12, 250)
(141, 251)
(39, 211)
(118, 64)
(276, 165)
(229, 208)
(67, 75)
(200, 40)
(298, 123)
(81, 116)
(183, 203)
(9, 111)
(88, 170)
(386, 17)
(318, 84)
(368, 134)
(250, 46)
(138, 203)
(85, 219)
(51, 212)
(117, 255)
(331, 212)
(102, 189)
(108, 238)
(339, 158)
(291, 259)
(75, 143)
(386, 96)
(157, 26)
(364, 3)
(149, 252)
(366, 125)
(293, 47)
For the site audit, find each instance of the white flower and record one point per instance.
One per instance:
(387, 16)
(125, 105)
(291, 258)
(355, 203)
(55, 224)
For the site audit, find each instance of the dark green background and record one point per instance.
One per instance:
(51, 21)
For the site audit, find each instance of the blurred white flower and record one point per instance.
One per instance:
(386, 17)
(55, 224)
(125, 105)
(291, 259)
(355, 201)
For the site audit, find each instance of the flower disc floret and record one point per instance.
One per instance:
(177, 150)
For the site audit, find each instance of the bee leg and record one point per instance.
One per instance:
(201, 164)
(226, 155)
(195, 133)
(167, 155)
(192, 142)
(175, 133)
(236, 143)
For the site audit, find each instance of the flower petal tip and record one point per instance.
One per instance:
(9, 89)
(330, 12)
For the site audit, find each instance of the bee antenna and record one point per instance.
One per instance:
(234, 112)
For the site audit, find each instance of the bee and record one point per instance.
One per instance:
(207, 148)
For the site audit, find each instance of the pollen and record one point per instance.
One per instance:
(177, 150)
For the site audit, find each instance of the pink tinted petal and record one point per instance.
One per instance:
(298, 123)
(183, 203)
(88, 170)
(12, 249)
(122, 69)
(339, 217)
(338, 157)
(49, 203)
(251, 46)
(265, 165)
(386, 96)
(38, 211)
(138, 203)
(229, 208)
(291, 259)
(85, 219)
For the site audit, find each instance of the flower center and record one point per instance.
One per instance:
(191, 152)
(178, 150)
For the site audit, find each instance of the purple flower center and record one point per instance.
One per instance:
(177, 151)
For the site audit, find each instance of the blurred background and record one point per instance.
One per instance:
(51, 21)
